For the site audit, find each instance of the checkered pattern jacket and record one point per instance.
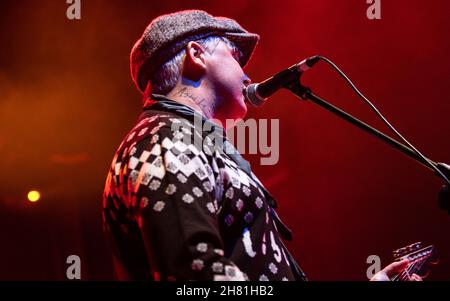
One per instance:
(176, 210)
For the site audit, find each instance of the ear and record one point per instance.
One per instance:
(194, 63)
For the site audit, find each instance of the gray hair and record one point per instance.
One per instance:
(165, 78)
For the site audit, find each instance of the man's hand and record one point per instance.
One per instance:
(393, 269)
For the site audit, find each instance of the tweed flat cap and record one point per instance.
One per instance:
(168, 34)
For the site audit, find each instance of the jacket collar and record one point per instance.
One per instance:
(163, 103)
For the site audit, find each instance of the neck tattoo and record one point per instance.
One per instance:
(185, 93)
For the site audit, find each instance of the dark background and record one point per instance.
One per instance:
(67, 100)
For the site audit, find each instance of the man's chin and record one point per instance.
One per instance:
(242, 108)
(236, 109)
(240, 113)
(244, 111)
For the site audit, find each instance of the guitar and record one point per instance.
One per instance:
(420, 258)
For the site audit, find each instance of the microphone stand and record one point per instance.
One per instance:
(305, 93)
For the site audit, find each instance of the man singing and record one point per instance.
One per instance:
(176, 209)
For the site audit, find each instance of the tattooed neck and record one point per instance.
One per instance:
(185, 92)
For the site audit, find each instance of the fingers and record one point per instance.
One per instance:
(415, 277)
(396, 267)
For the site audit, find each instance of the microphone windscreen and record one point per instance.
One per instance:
(251, 95)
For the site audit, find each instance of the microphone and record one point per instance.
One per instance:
(257, 94)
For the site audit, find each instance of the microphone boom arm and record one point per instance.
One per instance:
(305, 93)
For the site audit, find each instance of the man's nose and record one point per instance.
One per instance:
(247, 81)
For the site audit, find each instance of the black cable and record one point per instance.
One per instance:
(431, 164)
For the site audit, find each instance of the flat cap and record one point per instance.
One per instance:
(168, 34)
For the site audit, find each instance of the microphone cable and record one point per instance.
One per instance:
(372, 106)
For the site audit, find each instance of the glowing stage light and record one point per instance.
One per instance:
(34, 196)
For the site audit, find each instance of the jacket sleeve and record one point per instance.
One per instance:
(176, 208)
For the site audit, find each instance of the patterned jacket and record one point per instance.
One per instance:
(174, 209)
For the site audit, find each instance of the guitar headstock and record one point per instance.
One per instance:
(419, 258)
